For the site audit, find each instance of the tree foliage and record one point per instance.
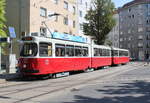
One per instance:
(2, 18)
(99, 20)
(2, 25)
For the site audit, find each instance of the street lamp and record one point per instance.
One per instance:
(55, 14)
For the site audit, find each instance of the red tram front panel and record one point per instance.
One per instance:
(41, 66)
(101, 61)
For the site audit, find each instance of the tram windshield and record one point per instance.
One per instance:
(29, 49)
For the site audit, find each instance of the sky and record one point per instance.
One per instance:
(120, 3)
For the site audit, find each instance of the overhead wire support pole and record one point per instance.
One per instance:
(47, 27)
(44, 22)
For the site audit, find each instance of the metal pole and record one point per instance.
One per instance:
(11, 46)
(47, 28)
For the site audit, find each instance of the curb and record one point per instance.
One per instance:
(8, 77)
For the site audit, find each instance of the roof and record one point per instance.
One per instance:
(135, 2)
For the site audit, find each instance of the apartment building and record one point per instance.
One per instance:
(35, 17)
(83, 7)
(135, 28)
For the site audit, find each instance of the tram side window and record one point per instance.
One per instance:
(115, 52)
(120, 53)
(60, 50)
(103, 52)
(96, 52)
(45, 49)
(85, 51)
(107, 52)
(100, 52)
(125, 53)
(78, 51)
(69, 50)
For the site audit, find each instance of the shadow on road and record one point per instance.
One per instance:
(136, 92)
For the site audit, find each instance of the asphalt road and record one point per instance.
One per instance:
(123, 84)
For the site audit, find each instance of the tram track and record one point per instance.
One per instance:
(70, 85)
(50, 82)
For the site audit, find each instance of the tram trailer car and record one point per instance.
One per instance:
(120, 56)
(101, 56)
(42, 56)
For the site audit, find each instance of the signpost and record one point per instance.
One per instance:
(12, 32)
(8, 40)
(12, 57)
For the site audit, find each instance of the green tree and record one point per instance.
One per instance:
(2, 25)
(99, 20)
(2, 18)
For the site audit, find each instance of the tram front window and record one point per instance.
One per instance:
(29, 49)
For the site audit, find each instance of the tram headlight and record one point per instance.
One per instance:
(24, 66)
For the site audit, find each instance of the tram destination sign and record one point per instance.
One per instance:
(68, 37)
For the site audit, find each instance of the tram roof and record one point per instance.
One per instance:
(101, 46)
(58, 41)
(120, 49)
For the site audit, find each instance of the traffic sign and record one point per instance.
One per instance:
(12, 32)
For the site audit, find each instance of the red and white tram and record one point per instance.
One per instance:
(120, 56)
(42, 56)
(101, 56)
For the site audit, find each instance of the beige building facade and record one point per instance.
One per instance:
(30, 17)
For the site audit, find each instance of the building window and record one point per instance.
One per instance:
(43, 12)
(133, 16)
(148, 21)
(74, 24)
(121, 39)
(66, 5)
(129, 10)
(140, 37)
(140, 45)
(86, 5)
(148, 37)
(66, 20)
(148, 45)
(140, 29)
(56, 1)
(80, 13)
(129, 31)
(74, 10)
(121, 32)
(43, 31)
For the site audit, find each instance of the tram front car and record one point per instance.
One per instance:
(28, 57)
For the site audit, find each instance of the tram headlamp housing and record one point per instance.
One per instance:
(24, 65)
